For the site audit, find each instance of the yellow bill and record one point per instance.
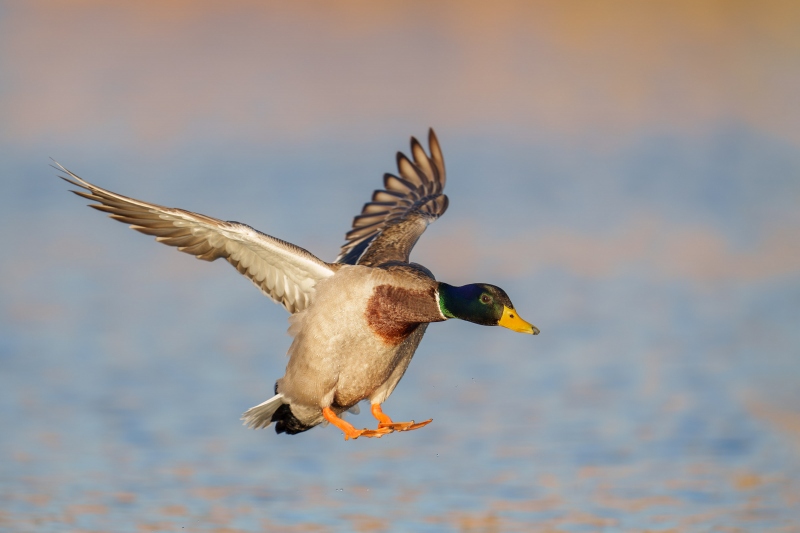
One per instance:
(512, 321)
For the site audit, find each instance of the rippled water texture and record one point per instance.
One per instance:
(629, 175)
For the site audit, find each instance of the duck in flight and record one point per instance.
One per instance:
(357, 322)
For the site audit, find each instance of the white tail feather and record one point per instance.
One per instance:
(260, 416)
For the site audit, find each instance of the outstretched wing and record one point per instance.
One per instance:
(284, 272)
(389, 225)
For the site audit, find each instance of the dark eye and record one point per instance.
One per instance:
(485, 298)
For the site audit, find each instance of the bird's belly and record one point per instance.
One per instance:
(366, 370)
(336, 361)
(337, 358)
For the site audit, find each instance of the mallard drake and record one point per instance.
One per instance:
(356, 322)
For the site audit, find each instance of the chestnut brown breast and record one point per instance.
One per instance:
(393, 312)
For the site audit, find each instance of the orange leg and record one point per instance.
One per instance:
(349, 431)
(384, 422)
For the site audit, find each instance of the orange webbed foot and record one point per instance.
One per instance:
(384, 422)
(349, 431)
(405, 426)
(377, 433)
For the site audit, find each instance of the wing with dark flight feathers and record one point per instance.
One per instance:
(390, 224)
(284, 272)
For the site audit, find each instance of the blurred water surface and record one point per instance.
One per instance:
(656, 245)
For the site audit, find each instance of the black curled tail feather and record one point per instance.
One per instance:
(286, 422)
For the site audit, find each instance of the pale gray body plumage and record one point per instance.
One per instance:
(336, 360)
(356, 323)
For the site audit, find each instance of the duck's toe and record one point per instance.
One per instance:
(349, 431)
(404, 426)
(384, 422)
(377, 433)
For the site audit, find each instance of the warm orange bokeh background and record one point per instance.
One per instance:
(266, 69)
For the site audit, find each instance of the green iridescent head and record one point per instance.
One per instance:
(483, 304)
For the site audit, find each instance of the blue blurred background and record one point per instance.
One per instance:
(629, 172)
